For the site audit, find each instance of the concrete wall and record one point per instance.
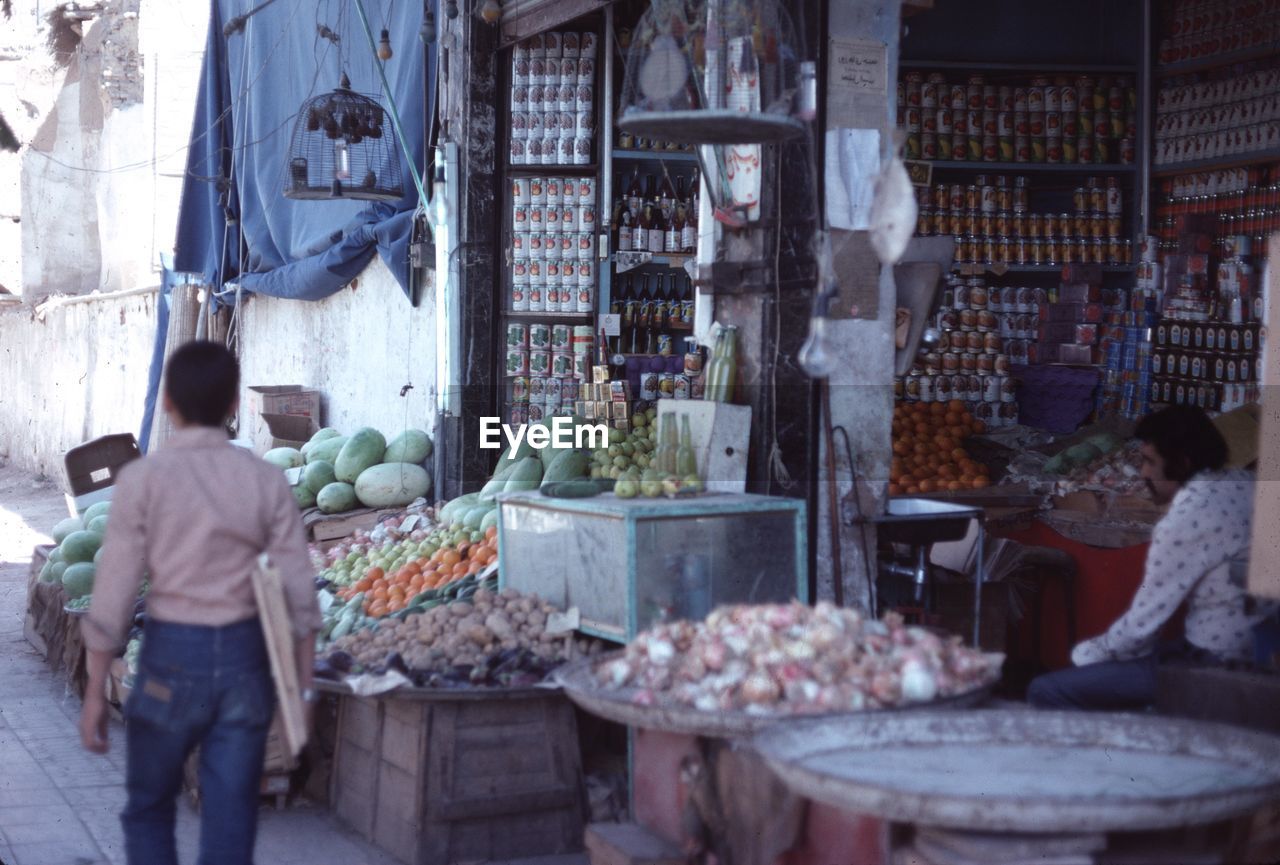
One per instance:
(359, 347)
(76, 373)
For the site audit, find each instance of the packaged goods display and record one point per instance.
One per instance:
(1225, 113)
(658, 216)
(1243, 202)
(1051, 119)
(553, 227)
(993, 222)
(553, 99)
(1196, 30)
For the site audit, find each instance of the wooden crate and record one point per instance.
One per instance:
(326, 530)
(439, 777)
(50, 629)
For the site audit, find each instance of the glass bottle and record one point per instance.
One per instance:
(635, 195)
(723, 367)
(641, 236)
(626, 228)
(686, 459)
(672, 238)
(666, 196)
(657, 229)
(668, 444)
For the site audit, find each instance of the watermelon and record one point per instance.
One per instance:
(80, 546)
(55, 554)
(326, 451)
(97, 557)
(476, 515)
(392, 484)
(98, 524)
(56, 572)
(303, 496)
(490, 519)
(96, 509)
(336, 498)
(318, 475)
(454, 510)
(363, 450)
(78, 579)
(526, 475)
(285, 458)
(411, 446)
(568, 466)
(66, 527)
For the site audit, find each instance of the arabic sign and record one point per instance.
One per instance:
(857, 81)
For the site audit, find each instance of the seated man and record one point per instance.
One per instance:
(1196, 555)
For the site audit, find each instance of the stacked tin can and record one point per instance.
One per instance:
(1218, 119)
(546, 363)
(553, 263)
(553, 90)
(991, 220)
(1045, 119)
(972, 361)
(1203, 29)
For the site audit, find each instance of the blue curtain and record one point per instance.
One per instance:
(234, 221)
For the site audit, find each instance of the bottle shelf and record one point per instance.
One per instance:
(1219, 164)
(1035, 167)
(655, 155)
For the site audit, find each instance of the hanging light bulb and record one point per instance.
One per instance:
(491, 11)
(384, 46)
(817, 358)
(451, 9)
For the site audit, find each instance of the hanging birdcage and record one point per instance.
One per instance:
(343, 147)
(713, 72)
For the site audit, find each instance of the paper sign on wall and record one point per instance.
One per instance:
(857, 82)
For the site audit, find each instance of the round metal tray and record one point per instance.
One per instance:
(618, 705)
(1021, 770)
(711, 126)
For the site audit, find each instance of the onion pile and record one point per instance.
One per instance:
(795, 659)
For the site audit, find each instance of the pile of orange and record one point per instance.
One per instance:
(928, 449)
(389, 593)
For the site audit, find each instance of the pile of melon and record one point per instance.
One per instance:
(73, 562)
(338, 473)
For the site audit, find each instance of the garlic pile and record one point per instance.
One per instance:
(795, 659)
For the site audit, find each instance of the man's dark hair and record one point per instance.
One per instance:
(201, 380)
(1186, 439)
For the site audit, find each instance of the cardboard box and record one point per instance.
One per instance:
(92, 467)
(270, 413)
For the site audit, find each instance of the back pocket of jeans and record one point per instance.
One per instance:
(250, 701)
(155, 701)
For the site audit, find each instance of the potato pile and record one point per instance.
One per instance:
(928, 454)
(467, 634)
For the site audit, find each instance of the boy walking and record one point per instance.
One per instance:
(194, 518)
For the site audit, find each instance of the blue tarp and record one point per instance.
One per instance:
(251, 88)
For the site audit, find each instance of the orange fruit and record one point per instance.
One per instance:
(451, 558)
(980, 482)
(491, 532)
(979, 426)
(928, 485)
(895, 489)
(374, 574)
(378, 609)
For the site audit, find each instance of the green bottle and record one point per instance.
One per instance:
(668, 444)
(686, 459)
(723, 368)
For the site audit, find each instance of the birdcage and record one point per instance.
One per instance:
(713, 72)
(343, 147)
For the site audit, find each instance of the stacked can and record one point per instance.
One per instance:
(971, 361)
(552, 244)
(1229, 117)
(1199, 29)
(553, 85)
(991, 222)
(1046, 119)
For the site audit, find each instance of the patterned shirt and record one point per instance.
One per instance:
(1193, 548)
(195, 516)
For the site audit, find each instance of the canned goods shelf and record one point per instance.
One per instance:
(574, 316)
(656, 155)
(1221, 164)
(540, 170)
(1165, 70)
(1046, 68)
(975, 269)
(673, 261)
(1060, 167)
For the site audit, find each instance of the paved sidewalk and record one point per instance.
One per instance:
(59, 805)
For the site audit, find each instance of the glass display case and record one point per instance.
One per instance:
(627, 564)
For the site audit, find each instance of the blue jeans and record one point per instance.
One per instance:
(1112, 685)
(207, 687)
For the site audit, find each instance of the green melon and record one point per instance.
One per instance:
(336, 498)
(327, 450)
(80, 546)
(392, 484)
(303, 496)
(363, 450)
(66, 527)
(285, 458)
(411, 446)
(56, 572)
(96, 509)
(98, 524)
(318, 475)
(78, 579)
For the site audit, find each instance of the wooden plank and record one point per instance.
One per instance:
(273, 610)
(501, 806)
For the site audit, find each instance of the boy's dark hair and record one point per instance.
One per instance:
(1187, 440)
(202, 380)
